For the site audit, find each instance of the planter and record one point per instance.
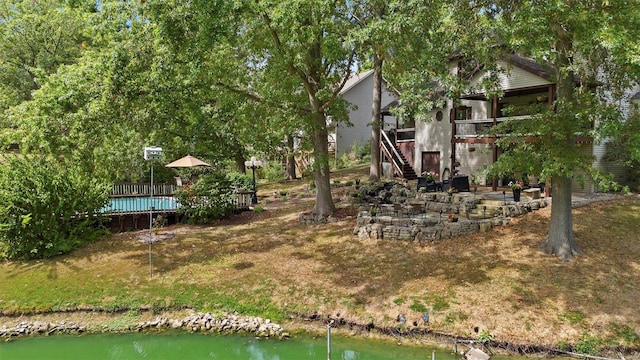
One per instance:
(516, 194)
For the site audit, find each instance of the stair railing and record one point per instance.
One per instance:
(391, 152)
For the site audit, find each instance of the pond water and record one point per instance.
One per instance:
(194, 346)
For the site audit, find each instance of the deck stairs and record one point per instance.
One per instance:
(401, 167)
(408, 172)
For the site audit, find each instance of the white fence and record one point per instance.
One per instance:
(132, 189)
(122, 190)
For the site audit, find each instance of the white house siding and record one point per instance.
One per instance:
(359, 92)
(586, 183)
(474, 160)
(628, 105)
(433, 135)
(618, 171)
(513, 77)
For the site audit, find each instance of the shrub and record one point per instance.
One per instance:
(239, 180)
(272, 171)
(209, 199)
(47, 207)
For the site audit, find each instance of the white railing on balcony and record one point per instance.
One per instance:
(490, 120)
(476, 128)
(408, 134)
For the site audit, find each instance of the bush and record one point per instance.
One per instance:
(239, 180)
(209, 199)
(47, 208)
(272, 171)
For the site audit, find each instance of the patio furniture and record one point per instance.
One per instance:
(460, 182)
(427, 185)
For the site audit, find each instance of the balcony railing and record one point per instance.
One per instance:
(477, 128)
(408, 134)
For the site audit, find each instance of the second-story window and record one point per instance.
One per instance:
(463, 113)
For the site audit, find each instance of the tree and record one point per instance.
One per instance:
(129, 90)
(47, 208)
(584, 44)
(288, 59)
(36, 37)
(302, 48)
(395, 33)
(372, 37)
(77, 114)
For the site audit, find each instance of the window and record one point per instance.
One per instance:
(463, 113)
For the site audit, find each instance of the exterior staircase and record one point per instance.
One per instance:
(408, 172)
(488, 208)
(401, 167)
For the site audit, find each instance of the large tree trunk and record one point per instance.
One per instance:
(239, 159)
(560, 241)
(291, 159)
(319, 137)
(374, 168)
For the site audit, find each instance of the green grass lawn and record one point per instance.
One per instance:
(268, 264)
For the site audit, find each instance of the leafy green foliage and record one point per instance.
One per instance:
(588, 344)
(47, 207)
(210, 198)
(36, 37)
(485, 336)
(239, 180)
(272, 171)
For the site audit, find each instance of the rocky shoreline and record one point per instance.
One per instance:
(200, 322)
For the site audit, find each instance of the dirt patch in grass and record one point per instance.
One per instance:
(267, 263)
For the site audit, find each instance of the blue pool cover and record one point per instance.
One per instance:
(140, 204)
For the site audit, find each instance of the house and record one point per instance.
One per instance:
(453, 139)
(358, 91)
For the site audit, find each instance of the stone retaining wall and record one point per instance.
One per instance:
(193, 323)
(435, 227)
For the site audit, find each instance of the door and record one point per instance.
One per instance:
(431, 162)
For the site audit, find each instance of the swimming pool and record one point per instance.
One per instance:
(140, 204)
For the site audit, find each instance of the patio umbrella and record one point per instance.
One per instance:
(187, 161)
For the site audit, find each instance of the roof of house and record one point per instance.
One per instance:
(355, 80)
(531, 66)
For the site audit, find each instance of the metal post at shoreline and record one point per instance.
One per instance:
(328, 341)
(152, 153)
(151, 226)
